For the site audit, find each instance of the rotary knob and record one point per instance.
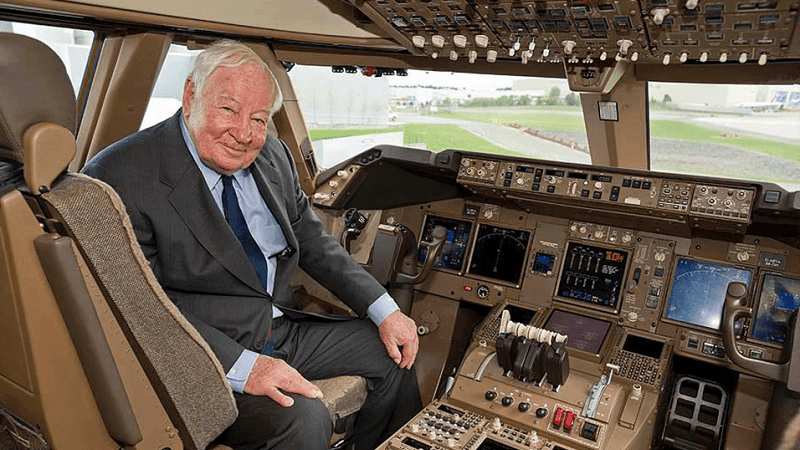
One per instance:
(507, 401)
(524, 407)
(490, 395)
(541, 412)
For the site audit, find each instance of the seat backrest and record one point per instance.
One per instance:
(97, 355)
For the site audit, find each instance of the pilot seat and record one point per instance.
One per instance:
(93, 353)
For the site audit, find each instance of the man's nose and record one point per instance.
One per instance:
(243, 130)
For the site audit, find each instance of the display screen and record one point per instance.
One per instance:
(585, 333)
(592, 274)
(643, 346)
(698, 291)
(780, 297)
(499, 253)
(491, 444)
(455, 241)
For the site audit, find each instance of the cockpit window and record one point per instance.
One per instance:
(349, 109)
(71, 45)
(732, 131)
(167, 93)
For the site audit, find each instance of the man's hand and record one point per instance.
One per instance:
(271, 374)
(398, 330)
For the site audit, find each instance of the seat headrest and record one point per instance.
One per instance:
(34, 88)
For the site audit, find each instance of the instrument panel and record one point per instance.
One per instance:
(632, 266)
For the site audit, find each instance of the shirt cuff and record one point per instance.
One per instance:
(238, 374)
(382, 308)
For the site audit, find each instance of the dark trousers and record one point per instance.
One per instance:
(326, 349)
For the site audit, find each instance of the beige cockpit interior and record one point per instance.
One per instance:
(560, 306)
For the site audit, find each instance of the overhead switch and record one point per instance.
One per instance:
(453, 55)
(437, 40)
(743, 57)
(704, 57)
(460, 41)
(762, 59)
(659, 14)
(665, 61)
(635, 56)
(684, 57)
(624, 45)
(691, 4)
(568, 46)
(603, 56)
(723, 57)
(473, 55)
(419, 41)
(482, 40)
(491, 56)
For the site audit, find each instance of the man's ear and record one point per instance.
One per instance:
(188, 97)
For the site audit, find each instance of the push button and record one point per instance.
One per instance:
(589, 431)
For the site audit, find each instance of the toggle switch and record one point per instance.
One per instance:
(659, 14)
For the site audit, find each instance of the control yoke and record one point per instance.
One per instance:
(736, 309)
(431, 251)
(354, 222)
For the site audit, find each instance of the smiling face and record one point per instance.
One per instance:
(229, 126)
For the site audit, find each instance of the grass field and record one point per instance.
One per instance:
(673, 129)
(553, 119)
(435, 137)
(526, 117)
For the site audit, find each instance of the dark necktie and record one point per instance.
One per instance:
(235, 218)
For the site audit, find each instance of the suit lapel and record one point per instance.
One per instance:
(267, 179)
(194, 203)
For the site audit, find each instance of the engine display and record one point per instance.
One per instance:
(585, 333)
(698, 291)
(780, 297)
(455, 242)
(593, 274)
(499, 253)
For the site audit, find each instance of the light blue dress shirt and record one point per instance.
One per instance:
(270, 239)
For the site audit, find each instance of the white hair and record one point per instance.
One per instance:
(227, 53)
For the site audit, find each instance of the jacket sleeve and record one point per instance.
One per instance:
(325, 260)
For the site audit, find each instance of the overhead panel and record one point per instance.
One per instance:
(586, 33)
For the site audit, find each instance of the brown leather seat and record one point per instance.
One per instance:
(94, 354)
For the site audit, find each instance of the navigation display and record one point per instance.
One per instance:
(780, 297)
(585, 333)
(499, 253)
(455, 242)
(592, 274)
(698, 291)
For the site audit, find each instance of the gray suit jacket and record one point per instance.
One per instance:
(194, 253)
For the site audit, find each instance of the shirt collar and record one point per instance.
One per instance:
(210, 176)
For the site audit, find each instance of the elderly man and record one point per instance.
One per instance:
(218, 211)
